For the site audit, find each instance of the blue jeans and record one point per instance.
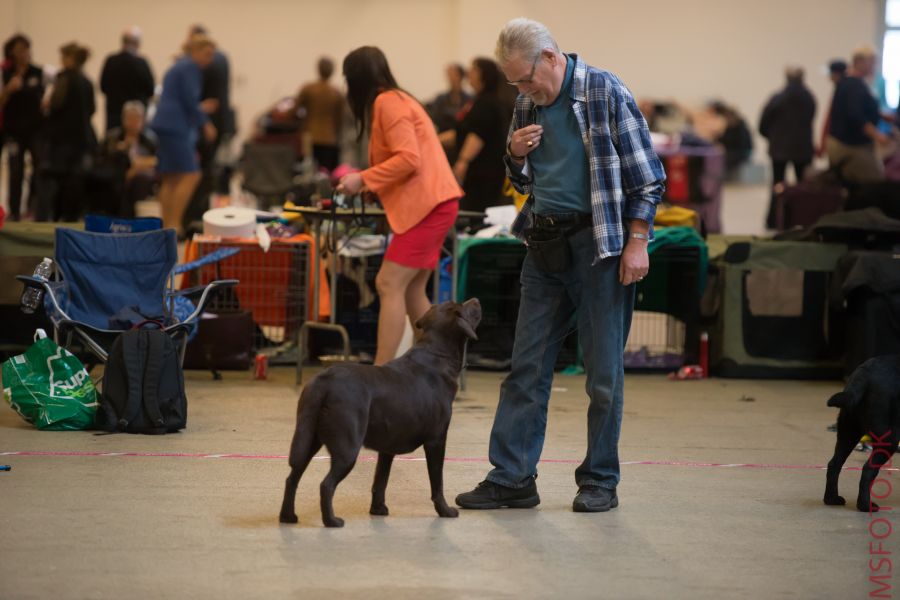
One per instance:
(603, 308)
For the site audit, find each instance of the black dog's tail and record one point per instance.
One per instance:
(307, 421)
(853, 393)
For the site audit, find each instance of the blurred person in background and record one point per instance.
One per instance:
(479, 140)
(179, 116)
(323, 107)
(69, 139)
(216, 101)
(837, 70)
(128, 157)
(125, 76)
(787, 123)
(445, 108)
(853, 132)
(20, 101)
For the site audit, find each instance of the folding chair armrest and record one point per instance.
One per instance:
(210, 289)
(190, 292)
(34, 282)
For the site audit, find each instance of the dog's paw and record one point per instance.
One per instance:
(834, 500)
(380, 511)
(287, 518)
(333, 522)
(867, 507)
(448, 512)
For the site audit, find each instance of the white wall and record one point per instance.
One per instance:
(690, 50)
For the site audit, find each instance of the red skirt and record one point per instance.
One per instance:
(420, 247)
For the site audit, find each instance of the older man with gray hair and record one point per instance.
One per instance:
(580, 148)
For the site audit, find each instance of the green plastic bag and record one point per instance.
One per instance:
(49, 387)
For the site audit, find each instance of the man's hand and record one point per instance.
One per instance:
(634, 264)
(524, 140)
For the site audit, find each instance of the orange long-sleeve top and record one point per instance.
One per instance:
(409, 171)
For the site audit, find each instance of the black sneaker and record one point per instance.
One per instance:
(595, 499)
(488, 494)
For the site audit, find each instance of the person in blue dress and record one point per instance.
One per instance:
(179, 116)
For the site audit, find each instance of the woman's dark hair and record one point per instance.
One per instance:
(11, 43)
(368, 74)
(79, 53)
(490, 75)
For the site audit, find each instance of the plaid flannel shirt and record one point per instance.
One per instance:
(627, 178)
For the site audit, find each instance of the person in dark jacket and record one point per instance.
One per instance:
(216, 103)
(69, 137)
(20, 101)
(854, 136)
(125, 76)
(479, 140)
(786, 122)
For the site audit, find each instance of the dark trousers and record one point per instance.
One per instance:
(17, 145)
(779, 169)
(61, 185)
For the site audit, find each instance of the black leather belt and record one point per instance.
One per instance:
(569, 221)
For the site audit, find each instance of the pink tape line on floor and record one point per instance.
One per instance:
(663, 463)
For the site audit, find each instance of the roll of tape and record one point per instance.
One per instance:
(230, 221)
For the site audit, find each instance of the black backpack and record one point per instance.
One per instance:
(143, 385)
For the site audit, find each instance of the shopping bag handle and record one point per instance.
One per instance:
(39, 334)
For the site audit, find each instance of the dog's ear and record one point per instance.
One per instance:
(472, 310)
(467, 328)
(425, 319)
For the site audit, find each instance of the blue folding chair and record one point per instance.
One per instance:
(102, 277)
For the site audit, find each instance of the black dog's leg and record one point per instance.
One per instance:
(434, 456)
(299, 460)
(382, 472)
(848, 435)
(341, 465)
(883, 449)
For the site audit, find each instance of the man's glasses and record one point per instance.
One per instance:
(530, 78)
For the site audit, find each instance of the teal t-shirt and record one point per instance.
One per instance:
(559, 165)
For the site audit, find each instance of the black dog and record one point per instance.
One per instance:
(392, 409)
(870, 404)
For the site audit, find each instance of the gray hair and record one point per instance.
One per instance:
(525, 37)
(134, 106)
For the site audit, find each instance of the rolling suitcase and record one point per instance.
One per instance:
(803, 204)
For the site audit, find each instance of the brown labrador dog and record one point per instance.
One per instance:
(392, 409)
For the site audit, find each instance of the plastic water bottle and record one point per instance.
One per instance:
(32, 297)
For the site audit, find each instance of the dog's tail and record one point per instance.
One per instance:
(853, 393)
(307, 421)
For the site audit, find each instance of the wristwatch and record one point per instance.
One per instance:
(639, 236)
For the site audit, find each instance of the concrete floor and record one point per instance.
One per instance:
(167, 522)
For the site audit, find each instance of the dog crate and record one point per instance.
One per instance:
(777, 316)
(357, 307)
(490, 271)
(665, 327)
(273, 286)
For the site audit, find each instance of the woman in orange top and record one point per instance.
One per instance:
(411, 176)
